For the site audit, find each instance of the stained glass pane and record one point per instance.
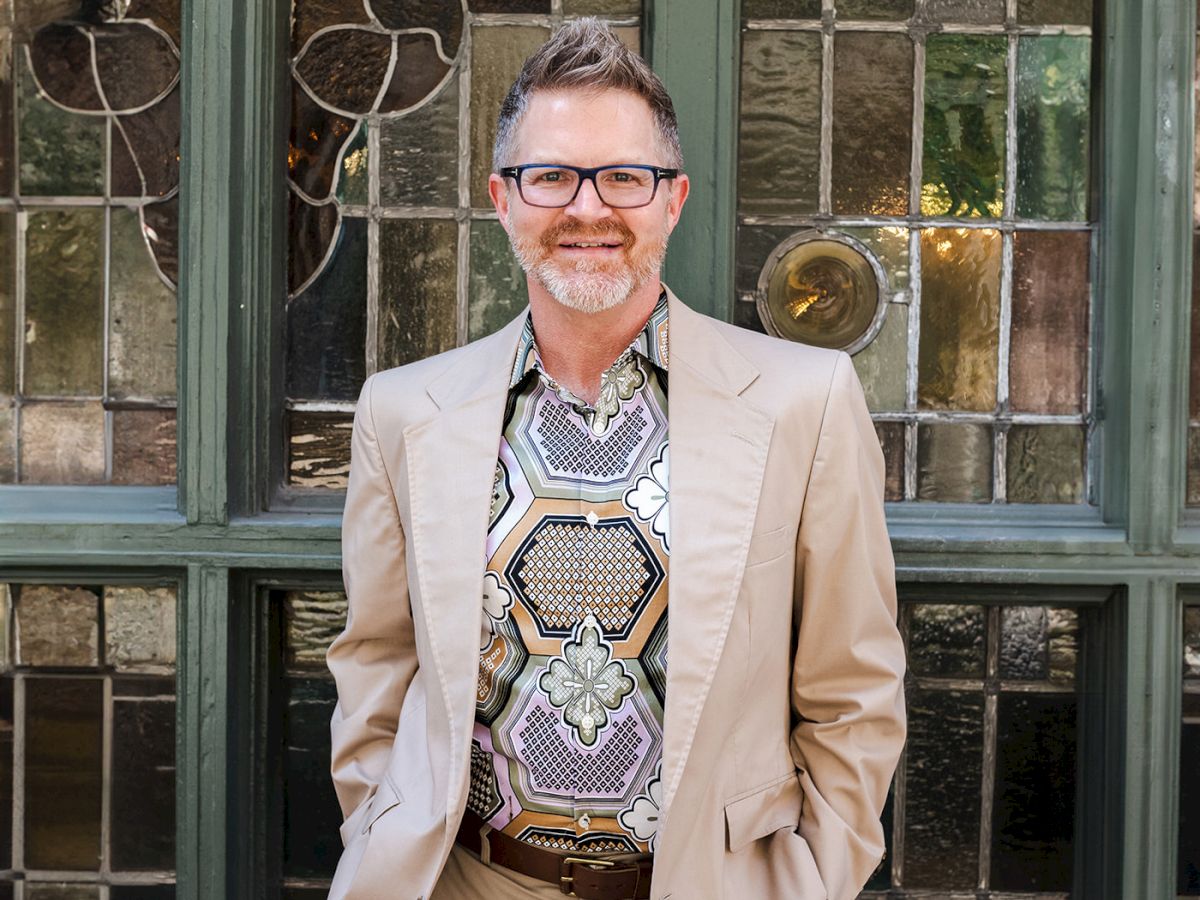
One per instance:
(60, 153)
(874, 9)
(946, 640)
(1045, 464)
(139, 628)
(57, 626)
(954, 463)
(316, 144)
(498, 290)
(62, 443)
(417, 278)
(1053, 84)
(872, 122)
(419, 154)
(353, 180)
(144, 446)
(601, 7)
(142, 324)
(781, 9)
(319, 449)
(8, 302)
(143, 783)
(882, 366)
(891, 439)
(780, 124)
(889, 244)
(1054, 12)
(965, 115)
(970, 12)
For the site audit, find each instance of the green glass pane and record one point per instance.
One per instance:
(497, 54)
(602, 7)
(872, 122)
(8, 444)
(969, 12)
(418, 154)
(890, 246)
(354, 177)
(498, 290)
(1045, 463)
(779, 140)
(1054, 12)
(1049, 334)
(61, 153)
(965, 114)
(144, 446)
(57, 626)
(418, 313)
(62, 443)
(8, 303)
(781, 9)
(64, 303)
(319, 450)
(960, 319)
(312, 620)
(1053, 122)
(139, 628)
(141, 317)
(954, 463)
(891, 441)
(882, 365)
(873, 9)
(946, 641)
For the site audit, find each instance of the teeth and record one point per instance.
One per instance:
(583, 244)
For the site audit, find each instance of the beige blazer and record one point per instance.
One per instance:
(784, 706)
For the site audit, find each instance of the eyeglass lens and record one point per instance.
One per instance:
(618, 187)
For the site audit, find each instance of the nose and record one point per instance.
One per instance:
(587, 203)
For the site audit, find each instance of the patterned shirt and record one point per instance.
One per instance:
(567, 746)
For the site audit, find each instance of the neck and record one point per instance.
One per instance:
(577, 347)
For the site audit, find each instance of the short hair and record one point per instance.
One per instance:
(585, 53)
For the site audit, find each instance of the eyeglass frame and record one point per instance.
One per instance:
(660, 173)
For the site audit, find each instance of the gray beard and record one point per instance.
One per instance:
(585, 288)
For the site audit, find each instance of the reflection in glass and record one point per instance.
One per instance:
(318, 449)
(144, 445)
(57, 626)
(946, 641)
(62, 443)
(954, 463)
(1045, 464)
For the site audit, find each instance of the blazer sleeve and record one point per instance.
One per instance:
(374, 659)
(848, 670)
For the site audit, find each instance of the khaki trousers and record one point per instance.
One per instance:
(467, 878)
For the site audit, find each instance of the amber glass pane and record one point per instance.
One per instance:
(57, 626)
(419, 154)
(1045, 464)
(1049, 337)
(64, 303)
(1054, 12)
(62, 443)
(872, 122)
(954, 463)
(497, 282)
(143, 783)
(882, 364)
(891, 440)
(141, 317)
(417, 276)
(61, 153)
(965, 113)
(497, 54)
(944, 775)
(781, 9)
(8, 303)
(874, 9)
(144, 446)
(63, 772)
(890, 246)
(139, 628)
(970, 12)
(318, 449)
(946, 640)
(779, 141)
(960, 319)
(313, 619)
(1039, 643)
(1053, 85)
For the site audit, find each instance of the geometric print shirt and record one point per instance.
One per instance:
(566, 752)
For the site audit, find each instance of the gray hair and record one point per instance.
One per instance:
(585, 53)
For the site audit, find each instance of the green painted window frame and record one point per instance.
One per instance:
(222, 536)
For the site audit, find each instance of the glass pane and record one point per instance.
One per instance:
(890, 246)
(345, 68)
(314, 619)
(970, 12)
(882, 365)
(61, 890)
(144, 446)
(142, 892)
(419, 70)
(891, 439)
(417, 289)
(311, 814)
(139, 629)
(1034, 818)
(310, 16)
(418, 154)
(353, 180)
(151, 138)
(57, 626)
(61, 153)
(64, 303)
(1193, 474)
(6, 771)
(497, 54)
(601, 7)
(872, 122)
(317, 139)
(8, 302)
(779, 142)
(313, 230)
(8, 443)
(445, 19)
(63, 777)
(1189, 752)
(135, 63)
(143, 783)
(319, 449)
(960, 319)
(62, 443)
(1054, 12)
(954, 463)
(965, 114)
(874, 9)
(944, 775)
(509, 6)
(1191, 642)
(497, 281)
(1039, 644)
(781, 9)
(1053, 84)
(1045, 464)
(7, 132)
(946, 640)
(1049, 336)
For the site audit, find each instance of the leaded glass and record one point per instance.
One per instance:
(1192, 495)
(1189, 752)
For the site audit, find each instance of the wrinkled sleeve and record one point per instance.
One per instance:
(847, 674)
(374, 659)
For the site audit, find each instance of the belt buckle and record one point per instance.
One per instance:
(565, 878)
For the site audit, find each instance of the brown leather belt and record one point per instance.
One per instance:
(587, 877)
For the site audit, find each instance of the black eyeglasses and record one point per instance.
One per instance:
(620, 187)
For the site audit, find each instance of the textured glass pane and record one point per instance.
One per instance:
(602, 7)
(497, 290)
(61, 153)
(144, 446)
(327, 324)
(1193, 474)
(890, 246)
(63, 772)
(443, 18)
(1053, 92)
(345, 68)
(781, 9)
(57, 626)
(509, 6)
(954, 463)
(1049, 337)
(1191, 642)
(161, 223)
(944, 765)
(150, 140)
(779, 140)
(417, 316)
(965, 111)
(135, 63)
(318, 449)
(314, 619)
(1039, 644)
(142, 892)
(1054, 12)
(8, 302)
(61, 890)
(419, 70)
(1034, 819)
(872, 122)
(163, 13)
(315, 144)
(1045, 464)
(311, 232)
(891, 440)
(8, 443)
(6, 772)
(60, 55)
(960, 319)
(874, 9)
(142, 325)
(1189, 809)
(139, 628)
(946, 640)
(143, 784)
(310, 16)
(62, 443)
(971, 12)
(311, 815)
(418, 154)
(497, 55)
(882, 364)
(353, 181)
(64, 303)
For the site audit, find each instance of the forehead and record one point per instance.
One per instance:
(587, 128)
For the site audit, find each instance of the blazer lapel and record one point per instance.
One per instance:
(718, 452)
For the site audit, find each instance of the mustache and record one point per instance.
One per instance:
(580, 231)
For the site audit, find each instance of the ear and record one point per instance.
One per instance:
(679, 192)
(498, 191)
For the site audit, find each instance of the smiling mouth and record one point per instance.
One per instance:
(589, 245)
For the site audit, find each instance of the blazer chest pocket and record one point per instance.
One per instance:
(763, 811)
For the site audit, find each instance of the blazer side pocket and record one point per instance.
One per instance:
(386, 796)
(768, 545)
(763, 811)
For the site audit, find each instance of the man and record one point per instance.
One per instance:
(599, 642)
